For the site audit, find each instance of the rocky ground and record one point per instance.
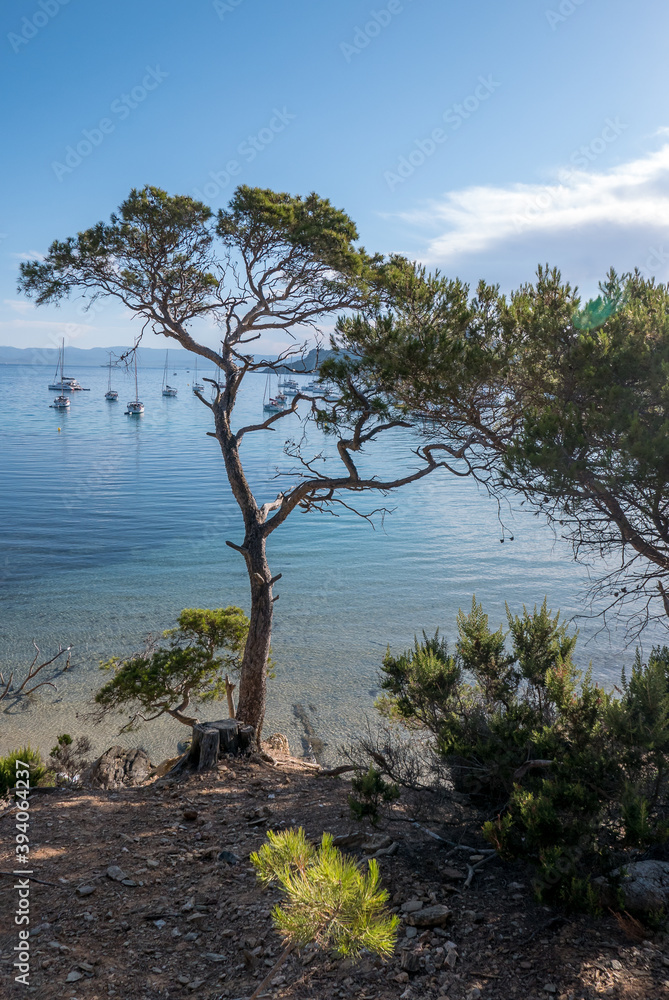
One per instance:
(139, 905)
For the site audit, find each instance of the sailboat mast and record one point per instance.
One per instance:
(109, 380)
(136, 389)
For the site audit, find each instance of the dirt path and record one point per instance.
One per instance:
(184, 923)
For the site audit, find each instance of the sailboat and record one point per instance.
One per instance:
(197, 386)
(273, 404)
(289, 386)
(61, 402)
(135, 408)
(167, 389)
(110, 394)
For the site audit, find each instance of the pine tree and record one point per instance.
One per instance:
(329, 900)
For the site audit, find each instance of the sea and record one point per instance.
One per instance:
(111, 524)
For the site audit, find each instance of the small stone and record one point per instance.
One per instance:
(159, 924)
(401, 977)
(411, 932)
(127, 881)
(615, 964)
(474, 993)
(191, 936)
(190, 814)
(449, 872)
(515, 885)
(451, 955)
(550, 988)
(278, 981)
(115, 873)
(73, 976)
(476, 857)
(525, 965)
(195, 984)
(229, 857)
(213, 957)
(184, 980)
(412, 906)
(86, 966)
(85, 890)
(176, 932)
(431, 916)
(152, 863)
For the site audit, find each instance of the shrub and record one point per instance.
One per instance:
(330, 901)
(578, 776)
(69, 759)
(369, 792)
(8, 768)
(204, 648)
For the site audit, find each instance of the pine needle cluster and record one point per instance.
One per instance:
(330, 901)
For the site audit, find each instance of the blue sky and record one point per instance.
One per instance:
(479, 137)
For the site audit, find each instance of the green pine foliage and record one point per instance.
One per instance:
(370, 792)
(329, 900)
(8, 768)
(578, 776)
(205, 645)
(68, 759)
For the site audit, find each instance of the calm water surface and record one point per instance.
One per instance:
(112, 524)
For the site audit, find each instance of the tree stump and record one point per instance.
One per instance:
(212, 740)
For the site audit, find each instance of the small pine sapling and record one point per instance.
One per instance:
(369, 792)
(69, 759)
(329, 900)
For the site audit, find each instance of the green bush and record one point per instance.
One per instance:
(370, 791)
(329, 900)
(577, 776)
(8, 768)
(195, 664)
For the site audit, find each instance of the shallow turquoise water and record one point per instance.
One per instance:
(112, 525)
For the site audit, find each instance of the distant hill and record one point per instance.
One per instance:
(147, 357)
(93, 357)
(310, 362)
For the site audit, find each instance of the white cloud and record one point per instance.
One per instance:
(71, 330)
(632, 198)
(19, 305)
(30, 255)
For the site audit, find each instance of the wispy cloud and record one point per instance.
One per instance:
(19, 305)
(71, 330)
(30, 255)
(476, 220)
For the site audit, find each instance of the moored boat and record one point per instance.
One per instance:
(168, 390)
(111, 394)
(135, 407)
(61, 402)
(197, 386)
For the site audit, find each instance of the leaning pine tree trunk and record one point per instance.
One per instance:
(253, 675)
